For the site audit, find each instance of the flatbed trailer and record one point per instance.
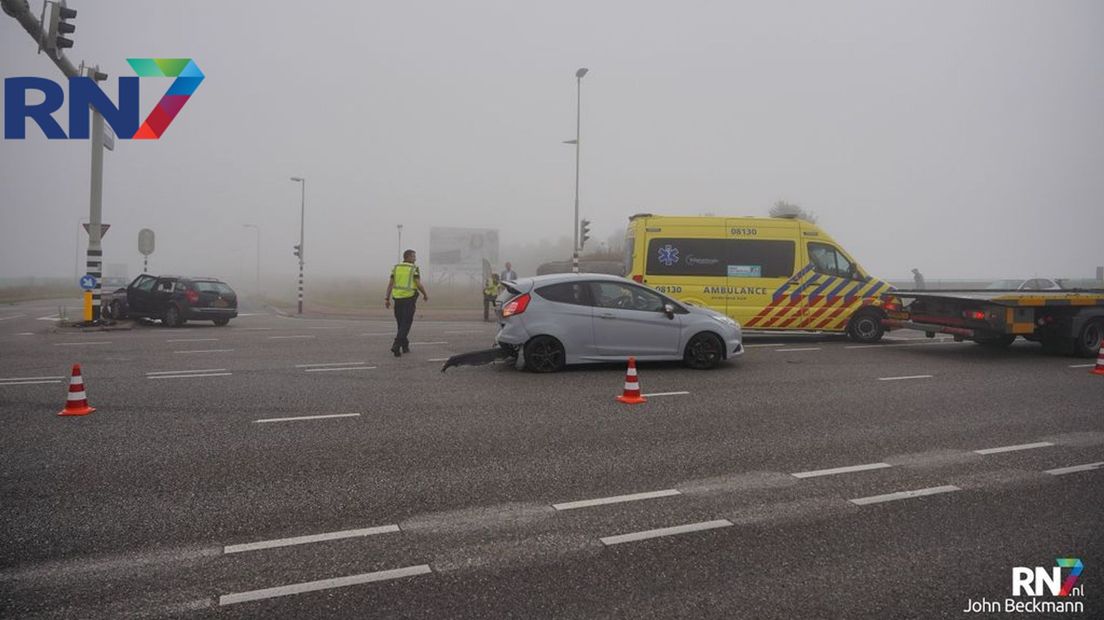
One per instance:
(1069, 322)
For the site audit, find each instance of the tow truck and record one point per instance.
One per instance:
(1067, 322)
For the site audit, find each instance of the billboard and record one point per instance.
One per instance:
(462, 250)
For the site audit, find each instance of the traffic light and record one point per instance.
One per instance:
(584, 232)
(59, 27)
(297, 250)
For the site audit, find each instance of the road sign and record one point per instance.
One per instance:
(87, 282)
(103, 229)
(145, 242)
(109, 137)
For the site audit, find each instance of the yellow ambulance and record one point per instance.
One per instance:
(767, 273)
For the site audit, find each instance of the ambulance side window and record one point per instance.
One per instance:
(830, 261)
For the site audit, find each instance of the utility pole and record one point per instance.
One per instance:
(578, 123)
(94, 258)
(299, 248)
(400, 242)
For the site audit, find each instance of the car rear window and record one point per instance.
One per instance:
(566, 293)
(213, 287)
(738, 258)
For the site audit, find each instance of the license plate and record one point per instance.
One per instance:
(220, 303)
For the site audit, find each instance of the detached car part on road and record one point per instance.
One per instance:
(550, 321)
(174, 300)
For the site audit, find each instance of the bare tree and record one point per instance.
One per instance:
(789, 209)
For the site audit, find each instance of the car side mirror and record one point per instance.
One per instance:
(669, 310)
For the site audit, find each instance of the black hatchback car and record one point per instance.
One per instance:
(174, 300)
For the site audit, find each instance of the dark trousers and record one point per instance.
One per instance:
(404, 316)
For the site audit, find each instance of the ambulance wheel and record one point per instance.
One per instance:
(704, 351)
(866, 327)
(544, 354)
(1089, 340)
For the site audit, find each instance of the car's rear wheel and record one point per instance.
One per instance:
(544, 354)
(173, 318)
(221, 322)
(704, 351)
(866, 327)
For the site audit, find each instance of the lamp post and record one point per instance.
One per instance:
(400, 241)
(302, 218)
(258, 229)
(578, 122)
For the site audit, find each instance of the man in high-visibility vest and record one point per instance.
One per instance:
(490, 293)
(403, 286)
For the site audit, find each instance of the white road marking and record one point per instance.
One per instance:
(342, 368)
(27, 378)
(904, 378)
(291, 337)
(437, 359)
(204, 351)
(324, 584)
(1023, 446)
(378, 334)
(752, 346)
(469, 331)
(438, 342)
(13, 316)
(313, 538)
(192, 340)
(308, 417)
(49, 318)
(617, 499)
(81, 344)
(890, 346)
(3, 383)
(254, 329)
(796, 350)
(1082, 365)
(665, 531)
(889, 497)
(329, 364)
(324, 327)
(1061, 471)
(665, 394)
(189, 376)
(840, 470)
(25, 334)
(180, 372)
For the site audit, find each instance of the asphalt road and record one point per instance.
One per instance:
(812, 478)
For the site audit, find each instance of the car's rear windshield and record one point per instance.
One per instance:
(213, 287)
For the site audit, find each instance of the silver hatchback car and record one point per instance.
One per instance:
(575, 318)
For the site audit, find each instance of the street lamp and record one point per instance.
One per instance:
(258, 229)
(302, 218)
(578, 121)
(400, 241)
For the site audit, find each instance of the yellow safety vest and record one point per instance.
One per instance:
(403, 275)
(491, 289)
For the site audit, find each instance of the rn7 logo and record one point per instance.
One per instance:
(84, 92)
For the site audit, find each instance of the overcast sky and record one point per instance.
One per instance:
(963, 138)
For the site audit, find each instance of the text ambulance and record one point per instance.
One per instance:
(775, 274)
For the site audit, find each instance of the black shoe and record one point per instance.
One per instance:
(406, 349)
(396, 351)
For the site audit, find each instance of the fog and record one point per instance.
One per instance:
(962, 138)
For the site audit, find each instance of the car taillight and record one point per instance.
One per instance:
(638, 278)
(974, 315)
(516, 305)
(191, 295)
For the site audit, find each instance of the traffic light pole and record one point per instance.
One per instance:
(302, 221)
(578, 121)
(94, 260)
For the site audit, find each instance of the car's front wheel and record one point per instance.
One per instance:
(115, 311)
(704, 351)
(866, 327)
(544, 354)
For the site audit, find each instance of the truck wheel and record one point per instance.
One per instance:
(866, 327)
(1001, 341)
(1089, 340)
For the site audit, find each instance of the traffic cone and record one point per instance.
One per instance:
(1099, 370)
(631, 395)
(77, 402)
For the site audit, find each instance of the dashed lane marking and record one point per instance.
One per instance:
(254, 329)
(29, 380)
(299, 336)
(191, 375)
(427, 343)
(10, 317)
(665, 531)
(181, 372)
(892, 346)
(378, 334)
(437, 359)
(796, 350)
(1082, 365)
(307, 417)
(313, 538)
(889, 497)
(340, 368)
(204, 351)
(617, 499)
(1073, 469)
(192, 340)
(25, 334)
(664, 394)
(81, 344)
(320, 364)
(840, 470)
(1016, 448)
(324, 584)
(753, 346)
(906, 377)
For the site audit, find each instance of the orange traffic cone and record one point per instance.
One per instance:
(77, 402)
(631, 395)
(1099, 370)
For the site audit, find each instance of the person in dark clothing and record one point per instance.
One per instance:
(403, 286)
